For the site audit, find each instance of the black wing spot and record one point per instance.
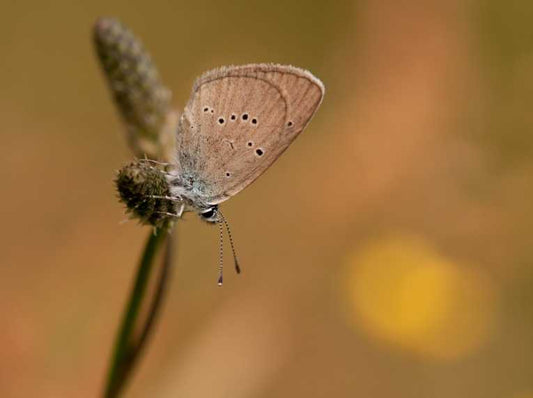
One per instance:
(212, 111)
(206, 109)
(228, 174)
(259, 152)
(250, 144)
(244, 116)
(233, 116)
(221, 120)
(289, 124)
(254, 121)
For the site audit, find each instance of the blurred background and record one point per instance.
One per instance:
(386, 254)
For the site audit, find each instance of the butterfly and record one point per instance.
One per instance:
(237, 122)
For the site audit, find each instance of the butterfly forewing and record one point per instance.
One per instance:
(237, 123)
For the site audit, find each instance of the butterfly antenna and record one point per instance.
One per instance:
(220, 254)
(237, 268)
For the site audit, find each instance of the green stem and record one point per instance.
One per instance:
(160, 290)
(159, 294)
(125, 346)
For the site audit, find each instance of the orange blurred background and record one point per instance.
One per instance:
(386, 254)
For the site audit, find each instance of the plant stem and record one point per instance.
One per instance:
(154, 309)
(126, 349)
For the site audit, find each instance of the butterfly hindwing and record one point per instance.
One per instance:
(238, 121)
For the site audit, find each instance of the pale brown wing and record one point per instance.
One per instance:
(238, 121)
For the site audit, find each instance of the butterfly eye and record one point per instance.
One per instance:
(210, 214)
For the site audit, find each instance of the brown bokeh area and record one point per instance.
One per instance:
(386, 253)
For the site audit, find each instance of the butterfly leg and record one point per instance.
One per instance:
(171, 198)
(154, 162)
(165, 213)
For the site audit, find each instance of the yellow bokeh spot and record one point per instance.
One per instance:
(404, 292)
